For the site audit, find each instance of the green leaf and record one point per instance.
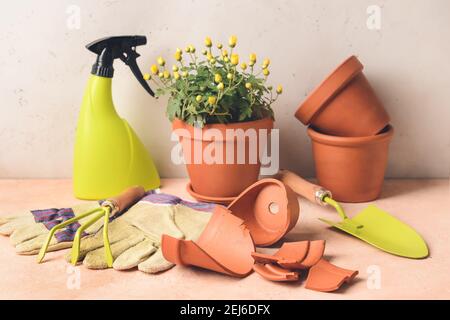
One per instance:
(173, 108)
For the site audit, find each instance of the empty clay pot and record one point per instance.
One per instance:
(269, 209)
(352, 168)
(219, 177)
(344, 104)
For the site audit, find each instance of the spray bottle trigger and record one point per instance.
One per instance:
(129, 58)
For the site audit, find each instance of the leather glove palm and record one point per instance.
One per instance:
(135, 236)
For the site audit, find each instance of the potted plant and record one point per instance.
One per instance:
(211, 95)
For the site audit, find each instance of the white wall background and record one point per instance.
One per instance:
(44, 67)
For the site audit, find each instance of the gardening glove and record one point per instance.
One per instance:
(135, 236)
(28, 231)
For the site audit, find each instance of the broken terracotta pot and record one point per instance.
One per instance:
(269, 209)
(315, 253)
(352, 168)
(274, 273)
(213, 173)
(224, 246)
(294, 255)
(344, 104)
(293, 251)
(281, 266)
(325, 276)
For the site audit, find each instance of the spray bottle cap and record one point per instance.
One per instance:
(123, 47)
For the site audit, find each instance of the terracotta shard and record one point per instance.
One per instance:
(225, 246)
(264, 258)
(269, 208)
(293, 251)
(294, 255)
(327, 277)
(315, 253)
(274, 273)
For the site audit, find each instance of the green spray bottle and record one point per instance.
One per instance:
(109, 156)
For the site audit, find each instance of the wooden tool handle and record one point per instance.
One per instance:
(310, 191)
(128, 197)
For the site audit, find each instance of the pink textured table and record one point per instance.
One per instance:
(424, 204)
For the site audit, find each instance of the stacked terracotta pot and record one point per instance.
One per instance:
(350, 134)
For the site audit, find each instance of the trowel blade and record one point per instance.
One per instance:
(384, 232)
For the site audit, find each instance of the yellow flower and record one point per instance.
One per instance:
(198, 98)
(219, 46)
(234, 59)
(147, 76)
(204, 52)
(187, 49)
(243, 66)
(266, 71)
(191, 48)
(279, 89)
(178, 55)
(176, 75)
(209, 56)
(179, 50)
(252, 58)
(160, 74)
(208, 42)
(212, 61)
(220, 86)
(229, 76)
(174, 68)
(226, 59)
(224, 53)
(184, 74)
(161, 61)
(154, 69)
(248, 85)
(232, 41)
(217, 78)
(212, 99)
(266, 63)
(166, 74)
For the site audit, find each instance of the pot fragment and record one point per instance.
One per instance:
(225, 246)
(325, 276)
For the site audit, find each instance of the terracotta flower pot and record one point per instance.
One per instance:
(344, 104)
(269, 209)
(222, 178)
(352, 168)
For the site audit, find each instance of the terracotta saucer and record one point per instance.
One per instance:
(199, 197)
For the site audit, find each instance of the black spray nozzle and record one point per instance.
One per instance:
(121, 47)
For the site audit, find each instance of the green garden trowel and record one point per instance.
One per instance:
(371, 225)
